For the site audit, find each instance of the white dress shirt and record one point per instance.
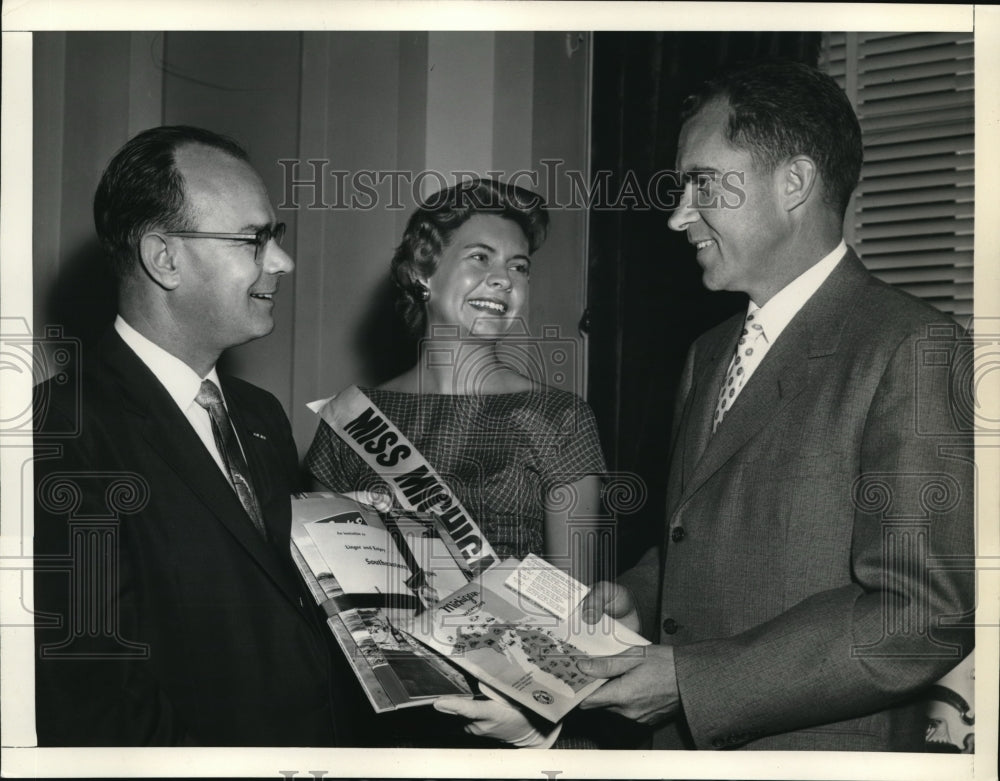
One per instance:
(181, 382)
(778, 312)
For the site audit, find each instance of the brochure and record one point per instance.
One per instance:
(517, 627)
(356, 570)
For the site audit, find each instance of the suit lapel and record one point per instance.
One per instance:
(778, 379)
(709, 375)
(783, 374)
(171, 437)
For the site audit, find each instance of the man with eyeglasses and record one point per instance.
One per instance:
(170, 612)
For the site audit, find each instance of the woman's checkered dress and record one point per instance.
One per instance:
(500, 454)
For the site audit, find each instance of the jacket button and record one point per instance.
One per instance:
(678, 534)
(670, 626)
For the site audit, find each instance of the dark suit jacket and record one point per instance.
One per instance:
(820, 542)
(164, 617)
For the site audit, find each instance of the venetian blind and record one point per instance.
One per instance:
(913, 210)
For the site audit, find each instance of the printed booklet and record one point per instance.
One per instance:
(387, 582)
(428, 572)
(370, 580)
(517, 627)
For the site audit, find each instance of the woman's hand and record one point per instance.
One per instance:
(498, 718)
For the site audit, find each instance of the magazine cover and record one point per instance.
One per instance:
(407, 672)
(334, 534)
(354, 545)
(517, 628)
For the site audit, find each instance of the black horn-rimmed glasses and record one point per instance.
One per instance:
(260, 239)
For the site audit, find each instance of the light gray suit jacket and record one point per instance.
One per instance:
(818, 550)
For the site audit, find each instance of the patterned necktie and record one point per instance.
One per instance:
(744, 361)
(210, 399)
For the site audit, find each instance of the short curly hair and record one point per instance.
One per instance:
(431, 226)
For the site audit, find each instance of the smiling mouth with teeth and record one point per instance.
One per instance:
(263, 296)
(485, 305)
(702, 244)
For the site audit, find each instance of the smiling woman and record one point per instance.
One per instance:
(522, 457)
(481, 282)
(455, 227)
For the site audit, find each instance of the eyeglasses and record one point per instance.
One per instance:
(260, 239)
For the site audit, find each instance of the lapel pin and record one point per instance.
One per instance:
(258, 435)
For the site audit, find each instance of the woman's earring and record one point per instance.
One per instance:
(423, 292)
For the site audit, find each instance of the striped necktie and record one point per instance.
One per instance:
(210, 399)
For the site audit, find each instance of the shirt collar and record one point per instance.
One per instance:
(786, 303)
(180, 380)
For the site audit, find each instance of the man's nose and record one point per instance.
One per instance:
(276, 260)
(684, 214)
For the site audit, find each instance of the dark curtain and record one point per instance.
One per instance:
(646, 301)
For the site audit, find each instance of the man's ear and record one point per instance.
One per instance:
(799, 181)
(159, 261)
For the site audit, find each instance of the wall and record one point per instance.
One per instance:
(91, 92)
(245, 85)
(351, 102)
(423, 105)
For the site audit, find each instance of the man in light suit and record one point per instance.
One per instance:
(815, 572)
(169, 611)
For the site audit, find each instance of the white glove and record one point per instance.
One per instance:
(380, 500)
(498, 718)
